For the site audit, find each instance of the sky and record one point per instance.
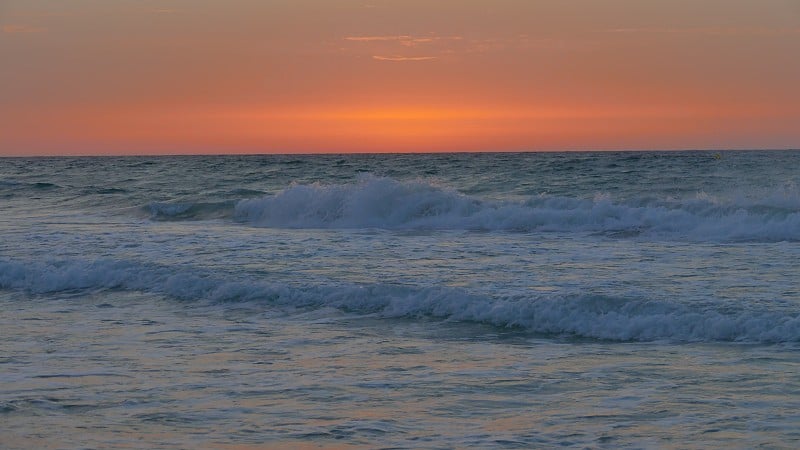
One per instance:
(102, 77)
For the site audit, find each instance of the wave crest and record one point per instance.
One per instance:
(585, 315)
(374, 202)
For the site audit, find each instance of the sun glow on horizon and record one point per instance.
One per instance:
(319, 76)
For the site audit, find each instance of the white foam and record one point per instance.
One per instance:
(374, 202)
(584, 315)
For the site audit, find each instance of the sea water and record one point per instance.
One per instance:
(602, 300)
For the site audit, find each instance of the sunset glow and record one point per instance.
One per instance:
(280, 76)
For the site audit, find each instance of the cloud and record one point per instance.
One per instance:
(375, 38)
(16, 29)
(391, 47)
(395, 47)
(403, 39)
(426, 47)
(715, 31)
(404, 58)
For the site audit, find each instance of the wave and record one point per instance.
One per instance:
(99, 190)
(585, 315)
(66, 192)
(374, 202)
(163, 211)
(385, 203)
(22, 185)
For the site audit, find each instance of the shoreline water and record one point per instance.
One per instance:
(406, 301)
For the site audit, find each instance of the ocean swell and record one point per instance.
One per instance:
(174, 211)
(584, 315)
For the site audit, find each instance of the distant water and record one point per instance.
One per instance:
(602, 300)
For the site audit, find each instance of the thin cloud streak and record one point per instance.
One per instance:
(22, 29)
(386, 47)
(376, 38)
(716, 31)
(404, 58)
(403, 39)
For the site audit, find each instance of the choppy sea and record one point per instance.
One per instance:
(539, 300)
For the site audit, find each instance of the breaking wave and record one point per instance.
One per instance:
(374, 202)
(586, 315)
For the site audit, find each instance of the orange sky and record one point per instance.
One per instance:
(284, 76)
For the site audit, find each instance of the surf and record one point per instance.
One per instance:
(578, 314)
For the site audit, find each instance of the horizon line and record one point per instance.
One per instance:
(456, 152)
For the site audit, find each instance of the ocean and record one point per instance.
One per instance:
(494, 300)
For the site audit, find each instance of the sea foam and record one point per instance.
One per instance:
(374, 202)
(585, 315)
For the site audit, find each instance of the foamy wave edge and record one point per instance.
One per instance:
(588, 316)
(385, 203)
